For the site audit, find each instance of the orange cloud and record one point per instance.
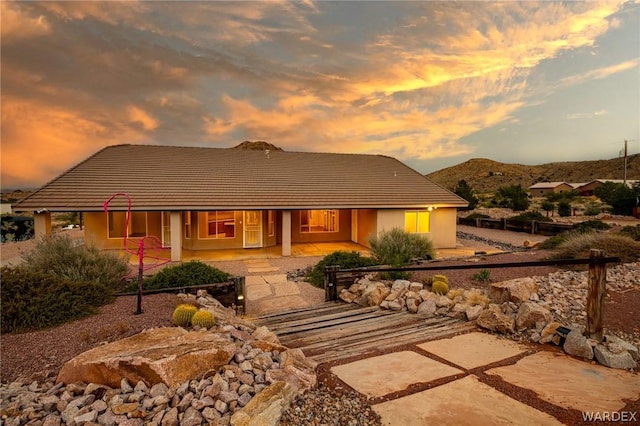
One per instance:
(137, 115)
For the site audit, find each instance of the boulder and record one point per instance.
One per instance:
(517, 290)
(530, 314)
(577, 345)
(412, 305)
(426, 295)
(400, 285)
(493, 319)
(444, 302)
(548, 333)
(265, 409)
(169, 355)
(373, 294)
(416, 287)
(614, 357)
(427, 308)
(632, 349)
(473, 312)
(266, 335)
(347, 296)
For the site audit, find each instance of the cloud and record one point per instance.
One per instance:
(137, 115)
(576, 115)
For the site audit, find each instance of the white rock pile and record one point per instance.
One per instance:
(546, 309)
(256, 385)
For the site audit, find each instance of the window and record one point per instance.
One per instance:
(318, 221)
(217, 224)
(271, 222)
(417, 221)
(186, 219)
(117, 222)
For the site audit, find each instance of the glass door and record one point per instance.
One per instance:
(166, 229)
(252, 229)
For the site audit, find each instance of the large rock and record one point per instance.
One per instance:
(530, 314)
(427, 308)
(473, 312)
(373, 294)
(169, 355)
(265, 409)
(347, 296)
(493, 319)
(614, 356)
(632, 349)
(517, 290)
(577, 345)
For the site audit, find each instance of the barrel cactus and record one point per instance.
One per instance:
(441, 277)
(440, 287)
(182, 314)
(203, 318)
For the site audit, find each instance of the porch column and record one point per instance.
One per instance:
(286, 233)
(175, 221)
(41, 224)
(354, 225)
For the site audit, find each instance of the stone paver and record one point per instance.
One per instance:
(473, 349)
(401, 369)
(275, 279)
(466, 401)
(568, 382)
(274, 304)
(286, 288)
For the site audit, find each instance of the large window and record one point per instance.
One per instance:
(417, 221)
(318, 221)
(117, 223)
(271, 219)
(186, 219)
(217, 224)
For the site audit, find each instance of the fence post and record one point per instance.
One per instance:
(240, 302)
(534, 225)
(504, 223)
(596, 295)
(478, 222)
(330, 283)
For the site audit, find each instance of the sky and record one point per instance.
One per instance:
(432, 84)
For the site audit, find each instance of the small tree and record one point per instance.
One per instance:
(513, 197)
(619, 196)
(465, 191)
(548, 206)
(564, 208)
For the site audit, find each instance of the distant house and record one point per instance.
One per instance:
(588, 189)
(213, 198)
(541, 189)
(5, 208)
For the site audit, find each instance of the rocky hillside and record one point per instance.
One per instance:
(257, 145)
(486, 175)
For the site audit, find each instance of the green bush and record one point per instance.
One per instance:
(592, 209)
(189, 274)
(528, 217)
(483, 276)
(34, 299)
(397, 248)
(345, 259)
(478, 216)
(60, 256)
(590, 225)
(631, 232)
(513, 197)
(463, 190)
(578, 245)
(564, 208)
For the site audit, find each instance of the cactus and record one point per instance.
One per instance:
(442, 278)
(182, 314)
(440, 287)
(203, 318)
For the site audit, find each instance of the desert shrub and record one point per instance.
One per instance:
(456, 292)
(483, 276)
(563, 195)
(579, 244)
(345, 259)
(548, 206)
(528, 217)
(188, 274)
(591, 225)
(592, 209)
(59, 256)
(476, 297)
(34, 299)
(554, 241)
(397, 248)
(465, 191)
(512, 196)
(631, 232)
(619, 196)
(564, 208)
(475, 216)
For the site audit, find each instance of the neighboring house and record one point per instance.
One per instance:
(215, 198)
(541, 189)
(5, 208)
(587, 189)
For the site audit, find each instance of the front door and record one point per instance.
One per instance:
(252, 229)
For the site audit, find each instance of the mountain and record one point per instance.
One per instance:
(486, 175)
(257, 145)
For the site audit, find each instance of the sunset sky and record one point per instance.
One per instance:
(430, 83)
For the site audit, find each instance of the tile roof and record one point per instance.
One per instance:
(187, 178)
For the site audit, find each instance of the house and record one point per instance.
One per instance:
(541, 189)
(588, 189)
(219, 198)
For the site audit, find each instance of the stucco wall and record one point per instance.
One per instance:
(442, 228)
(367, 223)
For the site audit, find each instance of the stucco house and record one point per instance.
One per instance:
(588, 189)
(219, 198)
(541, 189)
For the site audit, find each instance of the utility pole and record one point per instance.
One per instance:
(625, 161)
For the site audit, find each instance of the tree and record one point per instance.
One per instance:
(564, 208)
(465, 191)
(548, 206)
(513, 197)
(619, 196)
